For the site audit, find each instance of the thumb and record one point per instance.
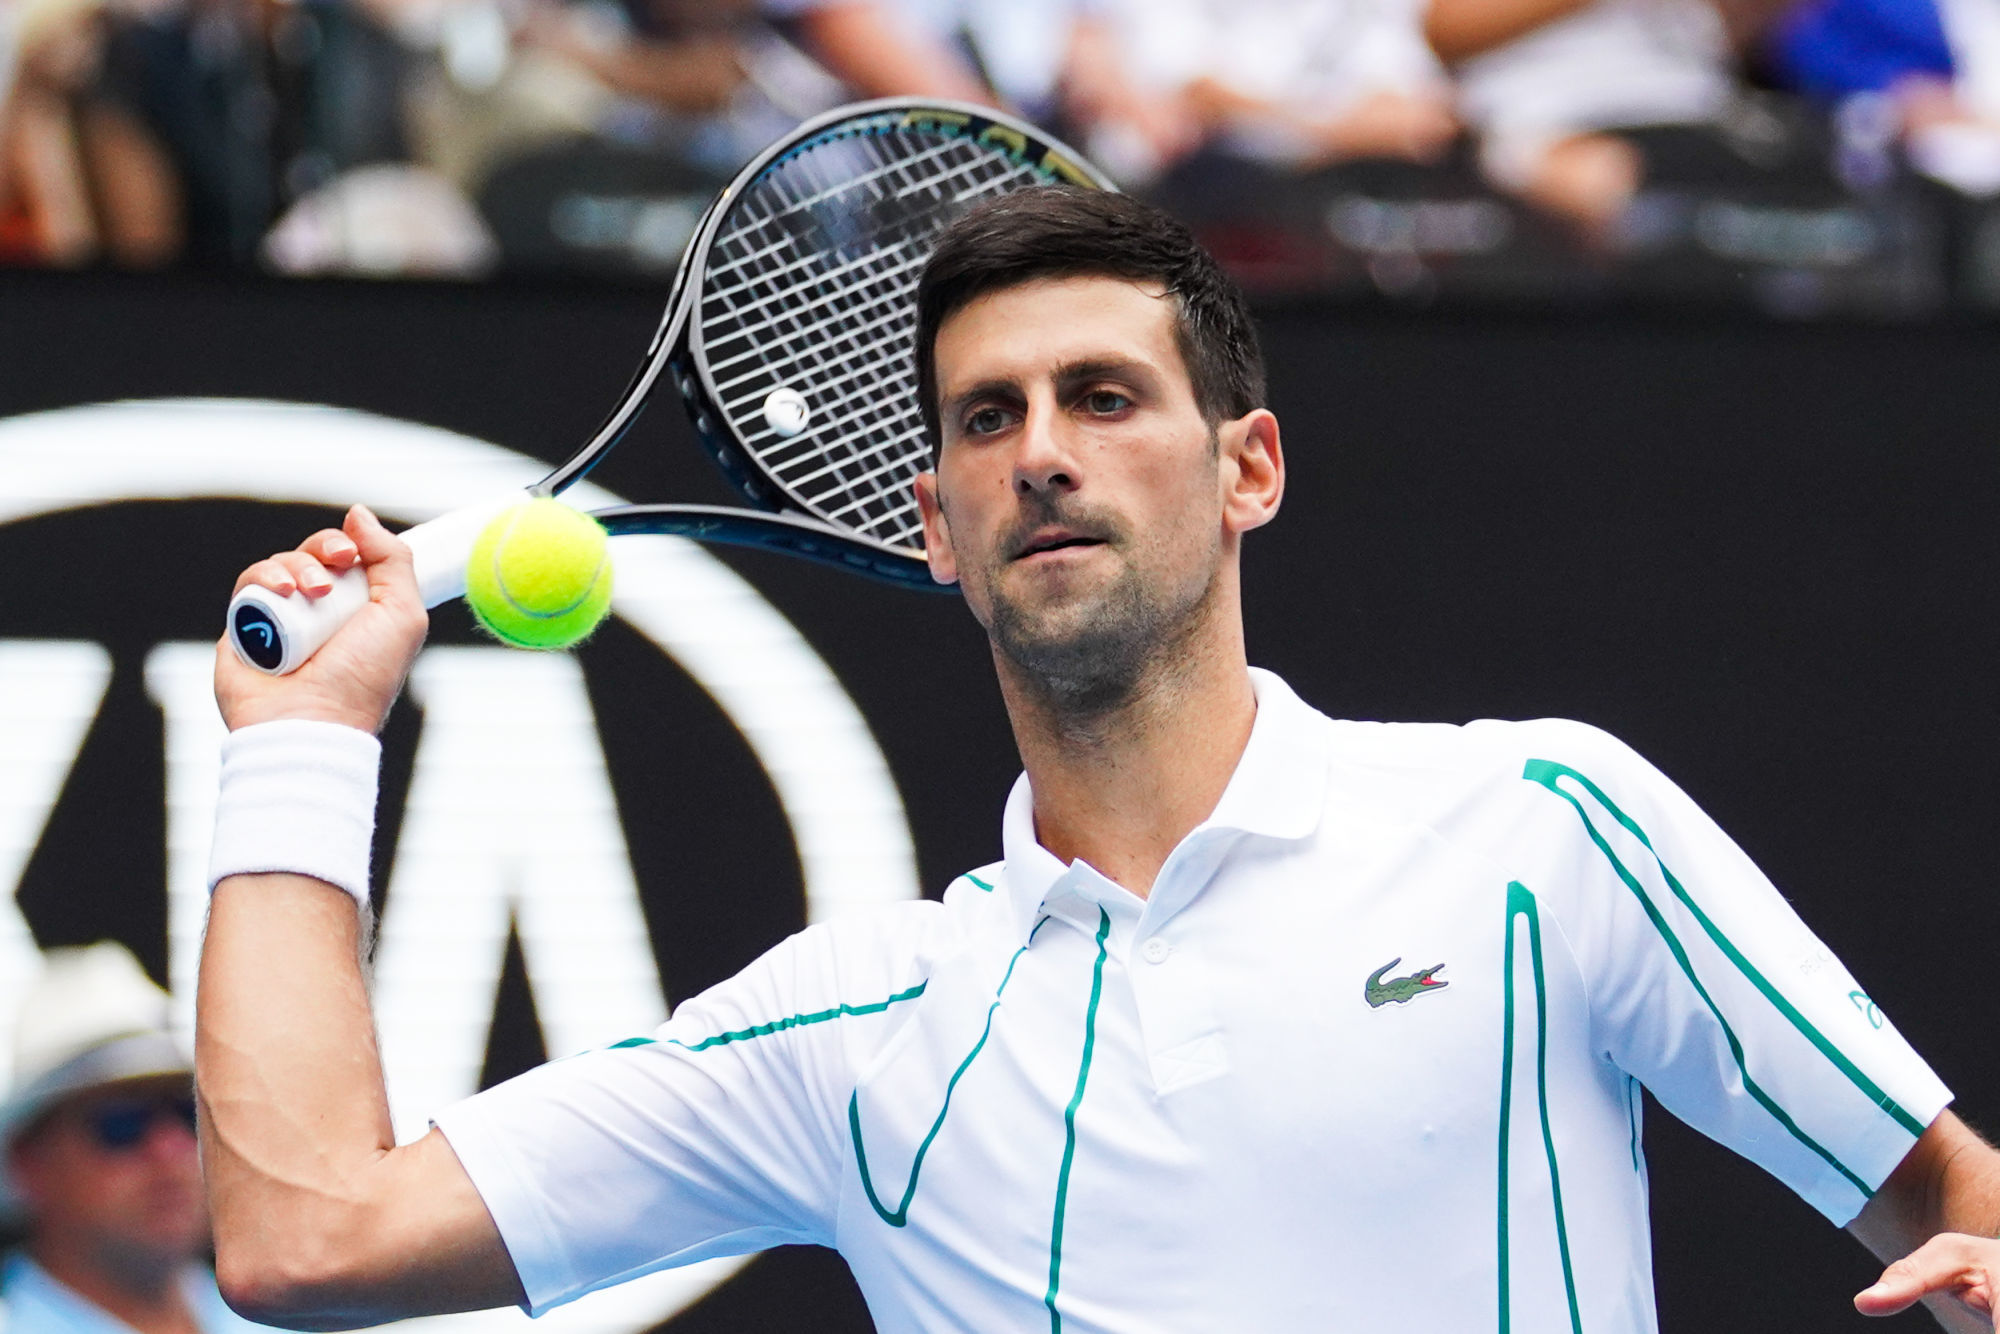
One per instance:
(1946, 1263)
(375, 542)
(1889, 1294)
(384, 556)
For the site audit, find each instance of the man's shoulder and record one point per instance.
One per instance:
(1471, 747)
(895, 934)
(1419, 767)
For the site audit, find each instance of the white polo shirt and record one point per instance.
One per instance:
(1371, 1049)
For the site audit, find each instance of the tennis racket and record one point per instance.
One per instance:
(789, 333)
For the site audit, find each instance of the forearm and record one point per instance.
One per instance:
(1948, 1183)
(320, 1221)
(294, 1115)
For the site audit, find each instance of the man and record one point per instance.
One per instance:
(98, 1132)
(1265, 1021)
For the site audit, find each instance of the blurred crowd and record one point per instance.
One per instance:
(451, 137)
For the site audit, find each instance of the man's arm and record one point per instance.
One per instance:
(1935, 1217)
(321, 1222)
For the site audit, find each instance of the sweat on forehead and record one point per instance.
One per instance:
(1060, 231)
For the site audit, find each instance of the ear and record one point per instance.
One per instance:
(937, 533)
(1252, 471)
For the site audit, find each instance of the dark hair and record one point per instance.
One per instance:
(1057, 232)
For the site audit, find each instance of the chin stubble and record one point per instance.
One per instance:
(1092, 656)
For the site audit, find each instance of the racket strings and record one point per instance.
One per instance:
(809, 286)
(893, 294)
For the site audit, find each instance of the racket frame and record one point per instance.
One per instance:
(781, 521)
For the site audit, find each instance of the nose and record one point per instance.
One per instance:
(1046, 459)
(168, 1139)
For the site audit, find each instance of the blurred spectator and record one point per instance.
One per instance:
(934, 48)
(382, 221)
(98, 1132)
(1927, 71)
(1544, 81)
(1300, 83)
(256, 103)
(720, 81)
(1056, 62)
(80, 179)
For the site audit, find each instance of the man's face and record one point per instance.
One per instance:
(1077, 497)
(116, 1172)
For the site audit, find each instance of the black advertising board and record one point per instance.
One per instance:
(1759, 553)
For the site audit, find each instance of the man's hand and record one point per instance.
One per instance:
(1934, 1212)
(1950, 1264)
(356, 675)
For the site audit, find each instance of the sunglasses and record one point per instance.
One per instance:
(122, 1125)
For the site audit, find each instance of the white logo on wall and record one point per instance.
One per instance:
(510, 814)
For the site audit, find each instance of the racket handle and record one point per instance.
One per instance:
(276, 633)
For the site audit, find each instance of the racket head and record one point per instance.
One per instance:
(796, 362)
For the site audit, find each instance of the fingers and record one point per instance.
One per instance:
(328, 552)
(289, 572)
(1949, 1263)
(332, 548)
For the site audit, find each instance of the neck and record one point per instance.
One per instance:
(1120, 782)
(143, 1292)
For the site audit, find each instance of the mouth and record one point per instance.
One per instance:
(1048, 540)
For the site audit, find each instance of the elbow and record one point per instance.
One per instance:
(265, 1293)
(291, 1282)
(259, 1296)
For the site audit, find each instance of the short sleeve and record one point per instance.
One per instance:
(1706, 987)
(718, 1134)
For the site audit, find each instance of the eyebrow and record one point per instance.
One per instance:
(1073, 375)
(1069, 377)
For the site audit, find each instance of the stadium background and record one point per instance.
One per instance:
(1719, 478)
(1760, 553)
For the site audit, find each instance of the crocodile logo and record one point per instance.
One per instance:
(1400, 989)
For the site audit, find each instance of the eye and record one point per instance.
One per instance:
(1105, 402)
(985, 421)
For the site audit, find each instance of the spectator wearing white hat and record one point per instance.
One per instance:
(99, 1160)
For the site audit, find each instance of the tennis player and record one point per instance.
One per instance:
(1264, 1021)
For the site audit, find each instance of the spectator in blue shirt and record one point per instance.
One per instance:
(1926, 72)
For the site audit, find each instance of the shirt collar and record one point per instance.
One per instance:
(1277, 791)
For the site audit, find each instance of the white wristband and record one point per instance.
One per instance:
(298, 797)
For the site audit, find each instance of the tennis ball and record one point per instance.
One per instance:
(540, 576)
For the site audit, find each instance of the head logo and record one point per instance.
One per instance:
(509, 820)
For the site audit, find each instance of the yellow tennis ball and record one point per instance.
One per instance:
(540, 575)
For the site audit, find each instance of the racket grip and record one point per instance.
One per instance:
(277, 633)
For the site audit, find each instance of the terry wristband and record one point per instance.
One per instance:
(297, 797)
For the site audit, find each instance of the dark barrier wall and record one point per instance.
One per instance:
(1762, 554)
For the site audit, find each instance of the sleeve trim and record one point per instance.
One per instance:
(1548, 773)
(839, 1011)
